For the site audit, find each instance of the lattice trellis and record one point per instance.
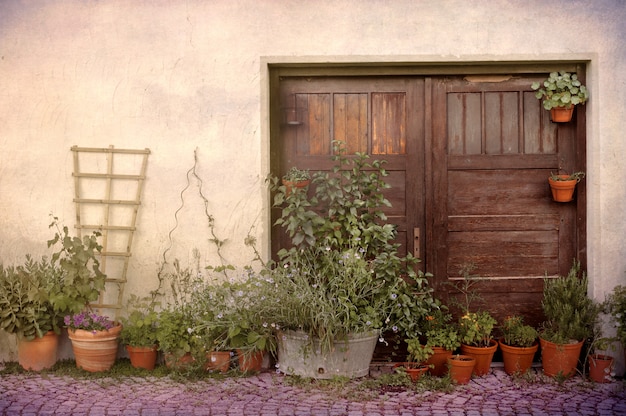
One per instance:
(108, 183)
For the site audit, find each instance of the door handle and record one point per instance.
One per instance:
(416, 243)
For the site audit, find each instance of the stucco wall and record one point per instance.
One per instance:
(177, 77)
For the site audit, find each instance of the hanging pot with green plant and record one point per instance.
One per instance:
(560, 92)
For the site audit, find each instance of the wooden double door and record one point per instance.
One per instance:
(468, 158)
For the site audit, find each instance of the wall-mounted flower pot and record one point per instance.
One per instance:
(561, 114)
(292, 186)
(562, 191)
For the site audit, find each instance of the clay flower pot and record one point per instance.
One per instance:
(461, 368)
(38, 354)
(438, 362)
(142, 357)
(250, 361)
(218, 361)
(562, 191)
(414, 371)
(95, 350)
(483, 356)
(559, 359)
(561, 114)
(600, 367)
(517, 360)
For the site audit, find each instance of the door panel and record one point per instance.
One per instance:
(370, 115)
(497, 214)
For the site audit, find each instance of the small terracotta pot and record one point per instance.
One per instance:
(561, 114)
(176, 362)
(461, 368)
(483, 356)
(562, 191)
(142, 357)
(600, 367)
(250, 361)
(39, 353)
(414, 371)
(517, 360)
(438, 362)
(218, 361)
(294, 185)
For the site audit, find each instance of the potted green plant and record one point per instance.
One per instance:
(560, 92)
(518, 345)
(231, 309)
(28, 313)
(94, 340)
(570, 317)
(563, 185)
(417, 358)
(139, 332)
(616, 303)
(339, 286)
(475, 328)
(443, 337)
(295, 179)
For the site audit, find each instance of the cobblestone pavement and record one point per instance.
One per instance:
(269, 394)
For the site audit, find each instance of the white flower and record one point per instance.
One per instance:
(189, 330)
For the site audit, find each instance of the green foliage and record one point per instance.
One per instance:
(418, 353)
(296, 175)
(475, 328)
(560, 89)
(233, 312)
(25, 308)
(440, 332)
(340, 236)
(570, 314)
(617, 308)
(577, 176)
(81, 279)
(177, 320)
(516, 333)
(139, 327)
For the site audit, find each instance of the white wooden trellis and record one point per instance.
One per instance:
(108, 183)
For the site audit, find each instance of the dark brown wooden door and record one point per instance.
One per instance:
(383, 117)
(468, 158)
(494, 147)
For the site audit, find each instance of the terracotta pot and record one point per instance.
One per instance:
(483, 356)
(461, 368)
(561, 114)
(438, 362)
(517, 360)
(39, 353)
(176, 362)
(294, 185)
(559, 359)
(414, 371)
(562, 191)
(142, 357)
(95, 350)
(250, 361)
(218, 361)
(600, 367)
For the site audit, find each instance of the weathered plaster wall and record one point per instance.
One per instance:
(179, 76)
